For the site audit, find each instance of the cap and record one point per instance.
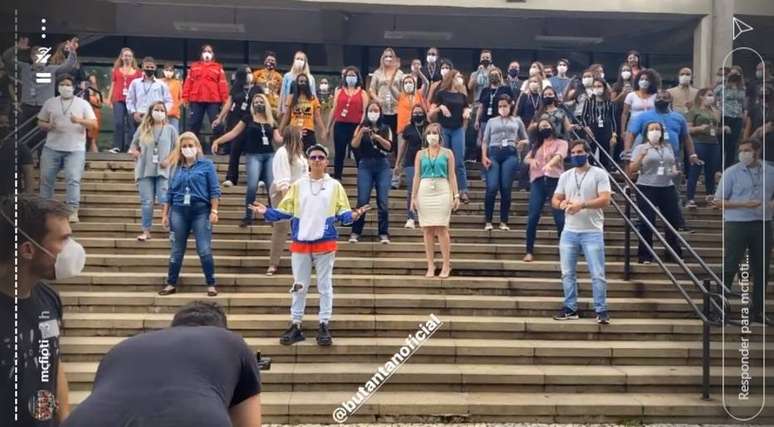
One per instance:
(317, 147)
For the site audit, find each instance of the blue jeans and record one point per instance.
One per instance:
(182, 221)
(593, 246)
(197, 110)
(455, 139)
(123, 127)
(302, 279)
(540, 191)
(258, 167)
(710, 154)
(499, 177)
(72, 162)
(374, 173)
(409, 171)
(152, 189)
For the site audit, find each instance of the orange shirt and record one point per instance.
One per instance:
(270, 79)
(405, 103)
(303, 113)
(176, 90)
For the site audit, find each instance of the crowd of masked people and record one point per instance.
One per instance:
(559, 132)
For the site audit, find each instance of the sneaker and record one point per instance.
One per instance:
(410, 224)
(567, 314)
(504, 227)
(228, 183)
(353, 238)
(691, 204)
(114, 150)
(74, 217)
(488, 226)
(324, 335)
(384, 239)
(603, 318)
(261, 187)
(292, 335)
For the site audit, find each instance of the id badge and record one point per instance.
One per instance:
(660, 171)
(600, 123)
(187, 198)
(244, 106)
(155, 159)
(489, 111)
(713, 132)
(666, 136)
(265, 140)
(49, 329)
(125, 92)
(344, 112)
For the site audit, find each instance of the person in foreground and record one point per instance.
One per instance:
(582, 193)
(194, 373)
(46, 251)
(313, 204)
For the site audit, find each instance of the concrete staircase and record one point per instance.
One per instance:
(499, 357)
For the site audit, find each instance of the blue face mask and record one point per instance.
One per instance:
(579, 160)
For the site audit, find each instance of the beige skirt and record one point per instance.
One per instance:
(434, 202)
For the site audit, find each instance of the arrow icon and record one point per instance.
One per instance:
(42, 55)
(740, 27)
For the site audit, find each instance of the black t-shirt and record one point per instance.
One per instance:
(240, 105)
(489, 98)
(370, 149)
(413, 137)
(40, 321)
(455, 102)
(181, 376)
(433, 75)
(7, 153)
(254, 135)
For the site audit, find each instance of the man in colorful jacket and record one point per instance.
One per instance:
(313, 205)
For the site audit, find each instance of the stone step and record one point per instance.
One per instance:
(79, 348)
(390, 304)
(373, 284)
(479, 407)
(391, 325)
(328, 377)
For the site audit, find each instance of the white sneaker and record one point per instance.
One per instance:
(353, 238)
(691, 204)
(384, 239)
(504, 227)
(488, 226)
(228, 183)
(74, 217)
(114, 150)
(261, 187)
(410, 224)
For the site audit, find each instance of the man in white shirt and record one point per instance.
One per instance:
(147, 90)
(583, 192)
(65, 119)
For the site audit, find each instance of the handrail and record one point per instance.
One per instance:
(18, 128)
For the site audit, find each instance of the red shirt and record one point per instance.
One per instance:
(351, 106)
(206, 82)
(121, 83)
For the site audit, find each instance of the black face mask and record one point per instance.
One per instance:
(259, 108)
(303, 86)
(513, 72)
(494, 79)
(485, 62)
(548, 100)
(661, 105)
(150, 73)
(418, 119)
(545, 133)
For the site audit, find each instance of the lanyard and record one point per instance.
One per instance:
(755, 179)
(659, 151)
(579, 184)
(147, 88)
(65, 110)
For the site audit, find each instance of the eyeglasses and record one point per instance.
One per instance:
(316, 158)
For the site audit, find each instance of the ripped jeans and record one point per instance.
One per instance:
(302, 278)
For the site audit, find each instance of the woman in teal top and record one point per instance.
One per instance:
(434, 195)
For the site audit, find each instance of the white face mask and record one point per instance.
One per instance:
(324, 87)
(431, 59)
(685, 80)
(534, 87)
(408, 87)
(626, 74)
(70, 261)
(746, 157)
(644, 84)
(169, 74)
(207, 56)
(433, 138)
(587, 81)
(533, 71)
(444, 72)
(562, 69)
(159, 116)
(373, 116)
(654, 136)
(598, 91)
(188, 152)
(505, 112)
(709, 100)
(66, 91)
(298, 63)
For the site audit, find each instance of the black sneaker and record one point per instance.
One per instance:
(567, 314)
(324, 335)
(292, 335)
(603, 318)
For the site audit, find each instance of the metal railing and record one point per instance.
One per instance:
(713, 302)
